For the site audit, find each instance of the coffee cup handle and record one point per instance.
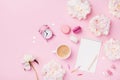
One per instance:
(54, 52)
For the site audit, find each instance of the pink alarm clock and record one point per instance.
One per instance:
(46, 32)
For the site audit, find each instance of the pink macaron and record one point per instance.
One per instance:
(65, 29)
(76, 30)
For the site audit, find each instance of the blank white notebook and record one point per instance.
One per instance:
(88, 54)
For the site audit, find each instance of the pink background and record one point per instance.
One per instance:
(20, 21)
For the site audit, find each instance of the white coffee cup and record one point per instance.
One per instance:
(63, 51)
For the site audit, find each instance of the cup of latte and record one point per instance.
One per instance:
(63, 51)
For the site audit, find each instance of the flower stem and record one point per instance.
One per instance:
(36, 74)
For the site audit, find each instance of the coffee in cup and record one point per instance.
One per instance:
(63, 51)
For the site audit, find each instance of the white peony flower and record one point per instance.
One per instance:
(53, 71)
(28, 58)
(112, 49)
(28, 64)
(27, 61)
(79, 8)
(114, 7)
(99, 25)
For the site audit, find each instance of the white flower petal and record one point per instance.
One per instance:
(27, 66)
(114, 7)
(99, 25)
(28, 58)
(53, 70)
(112, 49)
(79, 9)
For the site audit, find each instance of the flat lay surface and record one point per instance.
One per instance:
(20, 21)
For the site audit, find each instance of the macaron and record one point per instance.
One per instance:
(76, 29)
(65, 29)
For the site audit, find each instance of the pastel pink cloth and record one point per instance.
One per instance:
(20, 20)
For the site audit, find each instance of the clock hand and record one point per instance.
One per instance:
(46, 33)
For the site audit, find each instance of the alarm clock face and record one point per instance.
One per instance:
(47, 34)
